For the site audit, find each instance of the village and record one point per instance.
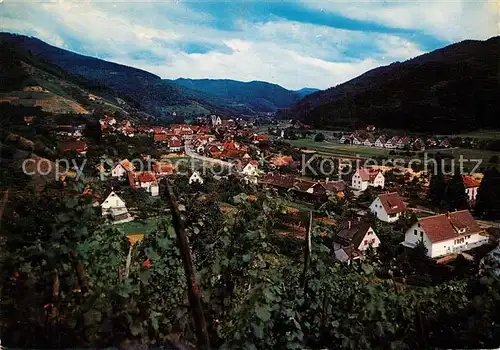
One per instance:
(353, 206)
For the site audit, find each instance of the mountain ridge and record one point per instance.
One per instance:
(454, 87)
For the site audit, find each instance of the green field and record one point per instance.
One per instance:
(480, 134)
(333, 149)
(138, 226)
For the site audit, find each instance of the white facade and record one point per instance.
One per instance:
(378, 209)
(250, 170)
(358, 183)
(370, 239)
(437, 249)
(113, 205)
(357, 141)
(379, 143)
(196, 177)
(471, 193)
(118, 171)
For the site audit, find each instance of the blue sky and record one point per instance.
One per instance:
(293, 43)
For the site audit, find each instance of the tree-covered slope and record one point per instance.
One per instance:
(453, 88)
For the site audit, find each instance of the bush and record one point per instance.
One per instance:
(319, 137)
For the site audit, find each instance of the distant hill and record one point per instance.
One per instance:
(254, 96)
(450, 89)
(140, 89)
(145, 91)
(306, 91)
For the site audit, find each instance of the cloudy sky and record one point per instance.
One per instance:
(294, 43)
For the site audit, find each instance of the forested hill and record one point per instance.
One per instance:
(258, 96)
(142, 90)
(453, 88)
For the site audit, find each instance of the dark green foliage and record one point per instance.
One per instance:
(488, 195)
(319, 137)
(453, 88)
(257, 96)
(455, 196)
(437, 189)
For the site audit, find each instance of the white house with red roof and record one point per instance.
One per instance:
(122, 168)
(115, 207)
(353, 240)
(174, 145)
(380, 142)
(471, 187)
(446, 233)
(364, 177)
(146, 180)
(392, 143)
(388, 207)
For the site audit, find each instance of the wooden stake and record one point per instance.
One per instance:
(193, 291)
(307, 252)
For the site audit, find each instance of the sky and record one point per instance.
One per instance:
(295, 43)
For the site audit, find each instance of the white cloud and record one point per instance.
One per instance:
(451, 20)
(289, 53)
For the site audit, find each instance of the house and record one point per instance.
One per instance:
(146, 180)
(357, 140)
(380, 142)
(345, 139)
(174, 145)
(446, 233)
(369, 142)
(364, 177)
(122, 168)
(114, 206)
(163, 168)
(28, 120)
(73, 145)
(392, 143)
(260, 138)
(444, 143)
(250, 169)
(195, 177)
(418, 145)
(160, 138)
(403, 142)
(280, 160)
(388, 207)
(353, 240)
(471, 188)
(336, 188)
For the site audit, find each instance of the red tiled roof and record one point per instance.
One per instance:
(392, 203)
(469, 181)
(160, 137)
(67, 146)
(127, 165)
(447, 226)
(281, 160)
(146, 176)
(163, 167)
(174, 143)
(368, 174)
(278, 180)
(304, 185)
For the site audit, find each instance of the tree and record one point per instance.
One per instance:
(488, 198)
(455, 195)
(319, 137)
(437, 189)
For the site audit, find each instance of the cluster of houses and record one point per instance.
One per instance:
(215, 141)
(441, 235)
(395, 142)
